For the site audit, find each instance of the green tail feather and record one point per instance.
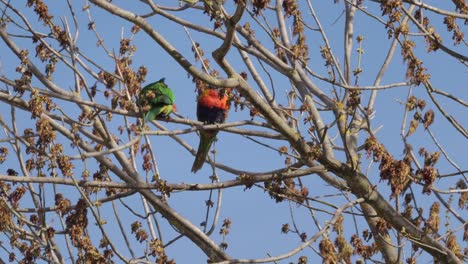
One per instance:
(152, 114)
(206, 139)
(160, 111)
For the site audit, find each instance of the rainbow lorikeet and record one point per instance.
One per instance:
(212, 108)
(157, 100)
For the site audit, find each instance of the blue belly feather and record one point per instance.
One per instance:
(210, 115)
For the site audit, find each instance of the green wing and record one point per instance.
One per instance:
(162, 93)
(159, 97)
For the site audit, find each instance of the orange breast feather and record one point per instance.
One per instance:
(210, 98)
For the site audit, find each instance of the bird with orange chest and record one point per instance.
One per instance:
(212, 108)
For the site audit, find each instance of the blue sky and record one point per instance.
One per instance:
(256, 218)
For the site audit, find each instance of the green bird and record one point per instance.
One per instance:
(157, 100)
(212, 108)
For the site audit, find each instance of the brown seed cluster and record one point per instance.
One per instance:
(247, 180)
(156, 249)
(453, 245)
(433, 222)
(327, 56)
(214, 13)
(46, 133)
(382, 226)
(290, 7)
(126, 47)
(39, 103)
(428, 174)
(328, 252)
(62, 204)
(140, 234)
(226, 227)
(396, 172)
(147, 164)
(248, 28)
(433, 39)
(280, 189)
(457, 35)
(354, 100)
(61, 36)
(131, 78)
(463, 200)
(417, 105)
(300, 50)
(42, 52)
(77, 223)
(392, 10)
(26, 74)
(414, 103)
(428, 118)
(108, 79)
(6, 217)
(415, 72)
(365, 251)
(3, 154)
(41, 10)
(280, 51)
(163, 187)
(65, 165)
(259, 5)
(345, 251)
(302, 260)
(16, 196)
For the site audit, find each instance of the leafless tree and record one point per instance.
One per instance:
(83, 155)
